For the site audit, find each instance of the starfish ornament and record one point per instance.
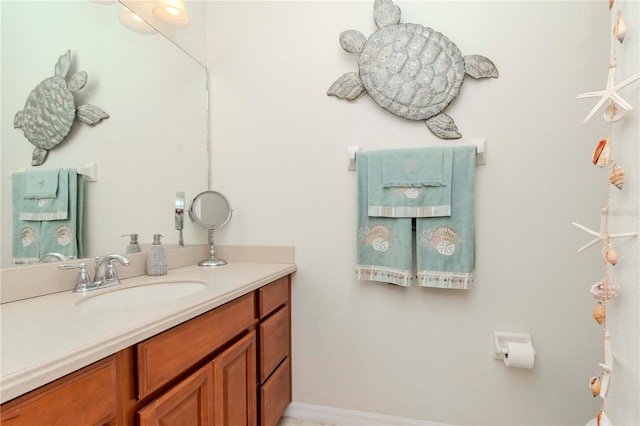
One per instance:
(609, 93)
(600, 236)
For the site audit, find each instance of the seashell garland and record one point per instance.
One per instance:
(617, 177)
(611, 255)
(602, 154)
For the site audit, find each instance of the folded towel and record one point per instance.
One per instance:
(383, 249)
(41, 183)
(421, 201)
(445, 246)
(412, 167)
(54, 208)
(33, 238)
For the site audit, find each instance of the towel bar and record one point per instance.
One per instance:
(89, 171)
(480, 143)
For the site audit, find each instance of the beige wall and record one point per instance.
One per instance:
(279, 154)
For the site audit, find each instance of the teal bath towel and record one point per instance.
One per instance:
(445, 246)
(34, 238)
(41, 183)
(383, 250)
(431, 198)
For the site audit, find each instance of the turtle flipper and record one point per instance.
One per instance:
(443, 126)
(63, 64)
(478, 66)
(38, 156)
(385, 13)
(348, 87)
(89, 114)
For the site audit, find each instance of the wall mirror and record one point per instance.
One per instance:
(155, 141)
(212, 211)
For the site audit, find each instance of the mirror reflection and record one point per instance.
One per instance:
(154, 143)
(212, 211)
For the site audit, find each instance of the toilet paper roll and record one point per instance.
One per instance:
(519, 355)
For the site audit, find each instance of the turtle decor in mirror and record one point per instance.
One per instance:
(212, 211)
(50, 110)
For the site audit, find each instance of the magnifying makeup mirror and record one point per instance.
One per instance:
(212, 211)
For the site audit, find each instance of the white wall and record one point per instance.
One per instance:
(279, 154)
(623, 315)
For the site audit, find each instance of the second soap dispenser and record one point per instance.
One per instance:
(133, 246)
(157, 260)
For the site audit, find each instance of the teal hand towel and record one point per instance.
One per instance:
(445, 246)
(65, 236)
(383, 247)
(54, 208)
(411, 201)
(41, 183)
(412, 167)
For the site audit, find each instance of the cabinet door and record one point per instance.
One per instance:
(234, 374)
(189, 403)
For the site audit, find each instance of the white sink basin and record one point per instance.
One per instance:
(141, 295)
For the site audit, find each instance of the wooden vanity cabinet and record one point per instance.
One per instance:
(227, 367)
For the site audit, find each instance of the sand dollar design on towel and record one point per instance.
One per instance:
(377, 236)
(410, 192)
(64, 235)
(28, 236)
(411, 71)
(50, 110)
(442, 239)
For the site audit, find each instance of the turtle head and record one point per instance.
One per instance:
(18, 120)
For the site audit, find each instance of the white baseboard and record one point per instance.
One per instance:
(343, 417)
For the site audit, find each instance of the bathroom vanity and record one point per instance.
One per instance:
(219, 356)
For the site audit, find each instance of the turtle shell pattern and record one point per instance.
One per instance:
(48, 113)
(411, 70)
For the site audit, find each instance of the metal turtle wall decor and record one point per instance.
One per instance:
(410, 70)
(50, 110)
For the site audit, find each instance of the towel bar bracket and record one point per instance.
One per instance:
(480, 144)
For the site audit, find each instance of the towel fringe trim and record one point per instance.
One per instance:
(386, 275)
(439, 279)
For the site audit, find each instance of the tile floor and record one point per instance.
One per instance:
(291, 421)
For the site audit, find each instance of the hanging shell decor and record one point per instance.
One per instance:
(411, 71)
(613, 113)
(617, 177)
(611, 255)
(602, 154)
(605, 289)
(619, 29)
(50, 110)
(595, 385)
(598, 314)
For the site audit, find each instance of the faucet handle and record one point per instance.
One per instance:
(110, 274)
(83, 281)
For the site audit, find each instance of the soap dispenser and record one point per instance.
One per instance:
(133, 246)
(157, 260)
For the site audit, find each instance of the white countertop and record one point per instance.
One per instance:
(44, 338)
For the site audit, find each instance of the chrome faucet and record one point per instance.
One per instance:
(105, 275)
(52, 255)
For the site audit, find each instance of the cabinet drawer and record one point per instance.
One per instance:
(86, 397)
(272, 296)
(161, 358)
(274, 341)
(275, 395)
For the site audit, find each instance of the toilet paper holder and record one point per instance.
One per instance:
(500, 340)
